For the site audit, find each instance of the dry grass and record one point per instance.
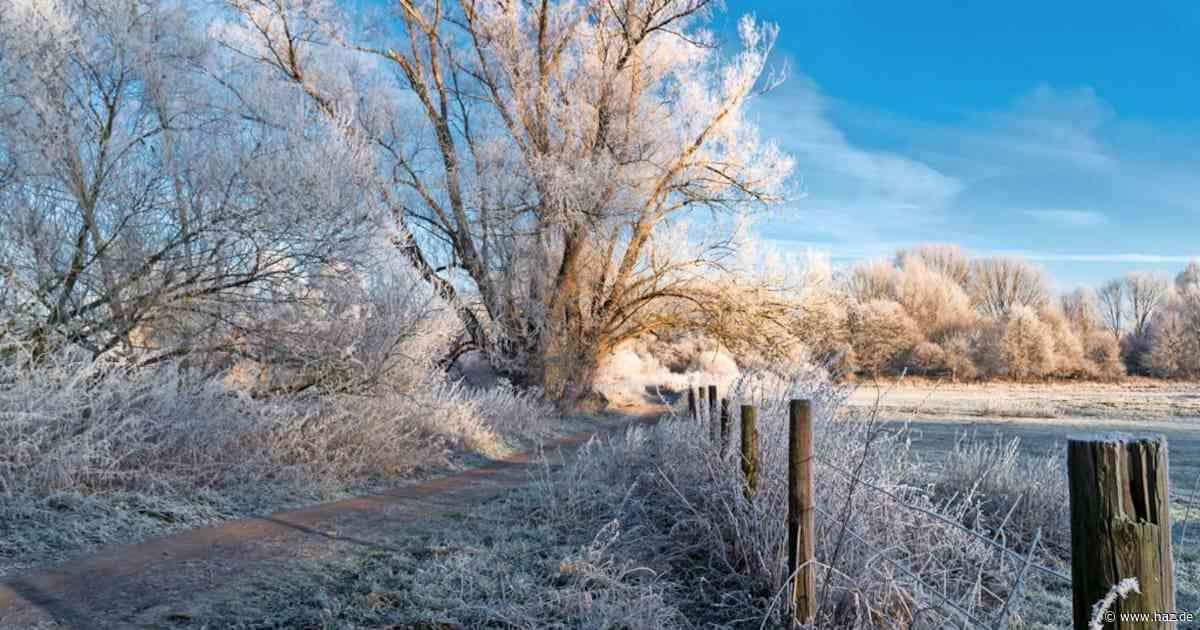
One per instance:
(652, 531)
(91, 454)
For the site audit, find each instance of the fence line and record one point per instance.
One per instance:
(1138, 484)
(939, 517)
(958, 609)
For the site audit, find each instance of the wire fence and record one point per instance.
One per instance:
(1024, 563)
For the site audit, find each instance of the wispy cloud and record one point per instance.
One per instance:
(1068, 218)
(1152, 259)
(856, 198)
(1056, 175)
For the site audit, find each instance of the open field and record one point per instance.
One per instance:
(1043, 416)
(1137, 400)
(933, 439)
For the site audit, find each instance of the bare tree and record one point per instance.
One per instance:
(537, 156)
(949, 260)
(872, 280)
(1079, 307)
(1146, 293)
(153, 205)
(1001, 284)
(1110, 299)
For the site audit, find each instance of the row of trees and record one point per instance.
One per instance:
(188, 179)
(934, 310)
(264, 180)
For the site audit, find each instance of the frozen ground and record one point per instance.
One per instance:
(1045, 415)
(1137, 400)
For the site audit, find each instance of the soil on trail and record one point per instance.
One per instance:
(151, 584)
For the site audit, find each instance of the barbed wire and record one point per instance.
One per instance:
(941, 518)
(899, 567)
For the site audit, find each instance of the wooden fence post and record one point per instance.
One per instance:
(692, 403)
(750, 450)
(1120, 528)
(701, 403)
(713, 417)
(724, 426)
(800, 511)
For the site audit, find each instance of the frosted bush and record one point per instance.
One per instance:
(679, 499)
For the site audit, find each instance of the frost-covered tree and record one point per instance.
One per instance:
(1174, 330)
(152, 194)
(936, 302)
(949, 260)
(927, 358)
(1068, 351)
(537, 158)
(1110, 300)
(1000, 284)
(1146, 293)
(957, 353)
(1173, 351)
(1103, 355)
(872, 280)
(1026, 345)
(880, 333)
(1079, 307)
(1188, 280)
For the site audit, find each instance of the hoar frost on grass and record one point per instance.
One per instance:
(93, 454)
(651, 530)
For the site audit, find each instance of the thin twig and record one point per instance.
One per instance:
(941, 518)
(1188, 512)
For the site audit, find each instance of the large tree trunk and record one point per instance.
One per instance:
(568, 375)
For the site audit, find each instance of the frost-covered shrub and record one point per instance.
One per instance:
(957, 353)
(70, 423)
(927, 358)
(1026, 345)
(880, 332)
(679, 502)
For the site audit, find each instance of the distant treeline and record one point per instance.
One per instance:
(934, 310)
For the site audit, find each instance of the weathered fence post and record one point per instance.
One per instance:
(712, 409)
(702, 403)
(800, 510)
(724, 426)
(692, 403)
(1120, 528)
(712, 413)
(750, 450)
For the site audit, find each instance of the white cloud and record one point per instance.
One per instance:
(1106, 189)
(1068, 218)
(855, 197)
(1131, 258)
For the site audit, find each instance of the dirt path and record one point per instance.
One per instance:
(150, 584)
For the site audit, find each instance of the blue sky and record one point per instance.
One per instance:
(1067, 132)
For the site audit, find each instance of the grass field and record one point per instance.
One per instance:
(1134, 400)
(939, 418)
(1044, 416)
